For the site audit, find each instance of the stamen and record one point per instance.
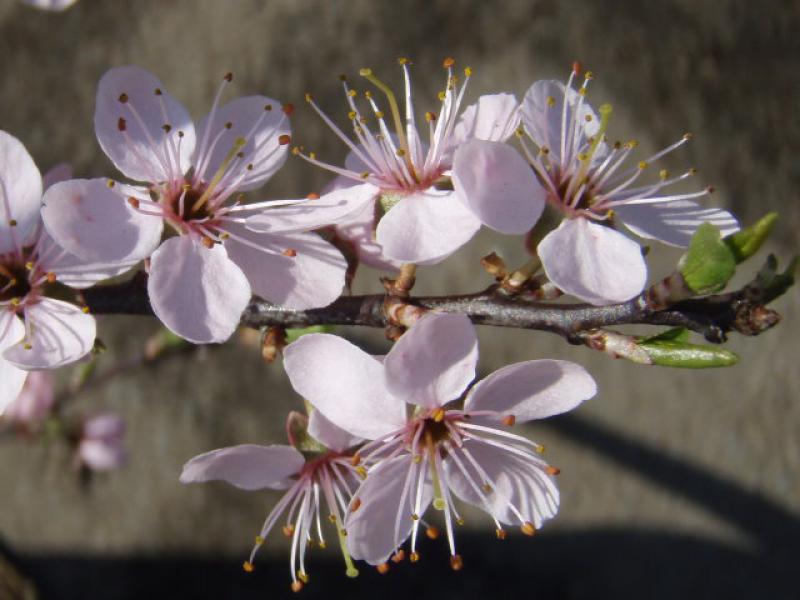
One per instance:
(238, 144)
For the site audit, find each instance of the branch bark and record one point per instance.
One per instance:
(743, 311)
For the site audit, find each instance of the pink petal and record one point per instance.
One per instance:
(345, 384)
(60, 333)
(96, 223)
(493, 117)
(35, 400)
(71, 270)
(498, 186)
(359, 230)
(543, 121)
(532, 390)
(331, 436)
(197, 292)
(434, 361)
(674, 223)
(107, 427)
(248, 467)
(426, 228)
(514, 480)
(100, 455)
(144, 152)
(263, 149)
(371, 529)
(20, 194)
(312, 277)
(593, 262)
(11, 378)
(56, 174)
(331, 208)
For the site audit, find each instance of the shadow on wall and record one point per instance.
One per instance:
(597, 563)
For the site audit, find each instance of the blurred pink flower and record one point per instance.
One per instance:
(35, 401)
(101, 444)
(425, 450)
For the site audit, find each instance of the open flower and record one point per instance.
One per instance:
(425, 448)
(429, 199)
(37, 331)
(594, 185)
(314, 468)
(202, 279)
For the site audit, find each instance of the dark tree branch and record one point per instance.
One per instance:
(743, 311)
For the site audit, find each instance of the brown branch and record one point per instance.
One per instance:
(714, 317)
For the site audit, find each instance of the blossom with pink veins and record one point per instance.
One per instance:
(428, 199)
(201, 279)
(587, 181)
(425, 449)
(314, 467)
(37, 330)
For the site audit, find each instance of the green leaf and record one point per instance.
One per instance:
(294, 334)
(676, 334)
(748, 241)
(709, 263)
(667, 353)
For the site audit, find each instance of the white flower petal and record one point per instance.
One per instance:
(434, 361)
(249, 467)
(498, 186)
(263, 149)
(12, 378)
(593, 262)
(197, 292)
(532, 390)
(60, 334)
(331, 436)
(493, 117)
(20, 194)
(371, 532)
(345, 384)
(426, 228)
(674, 223)
(144, 151)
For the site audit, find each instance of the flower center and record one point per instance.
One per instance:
(14, 284)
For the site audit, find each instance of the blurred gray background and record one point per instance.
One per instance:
(674, 483)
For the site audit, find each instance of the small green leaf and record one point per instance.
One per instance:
(294, 334)
(676, 334)
(668, 353)
(709, 263)
(746, 242)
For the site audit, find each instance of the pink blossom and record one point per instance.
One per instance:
(425, 449)
(101, 444)
(429, 199)
(35, 401)
(587, 180)
(202, 279)
(324, 470)
(37, 331)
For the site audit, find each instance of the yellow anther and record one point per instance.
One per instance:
(352, 115)
(430, 116)
(110, 183)
(400, 152)
(85, 310)
(442, 96)
(500, 533)
(302, 576)
(588, 75)
(308, 97)
(642, 164)
(528, 528)
(403, 61)
(583, 156)
(29, 266)
(468, 71)
(378, 114)
(688, 135)
(438, 415)
(365, 72)
(27, 346)
(551, 101)
(248, 566)
(417, 458)
(692, 171)
(351, 572)
(414, 557)
(352, 93)
(12, 222)
(663, 174)
(582, 91)
(365, 175)
(361, 471)
(259, 540)
(588, 118)
(540, 449)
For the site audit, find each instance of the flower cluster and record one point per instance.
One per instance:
(418, 430)
(386, 436)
